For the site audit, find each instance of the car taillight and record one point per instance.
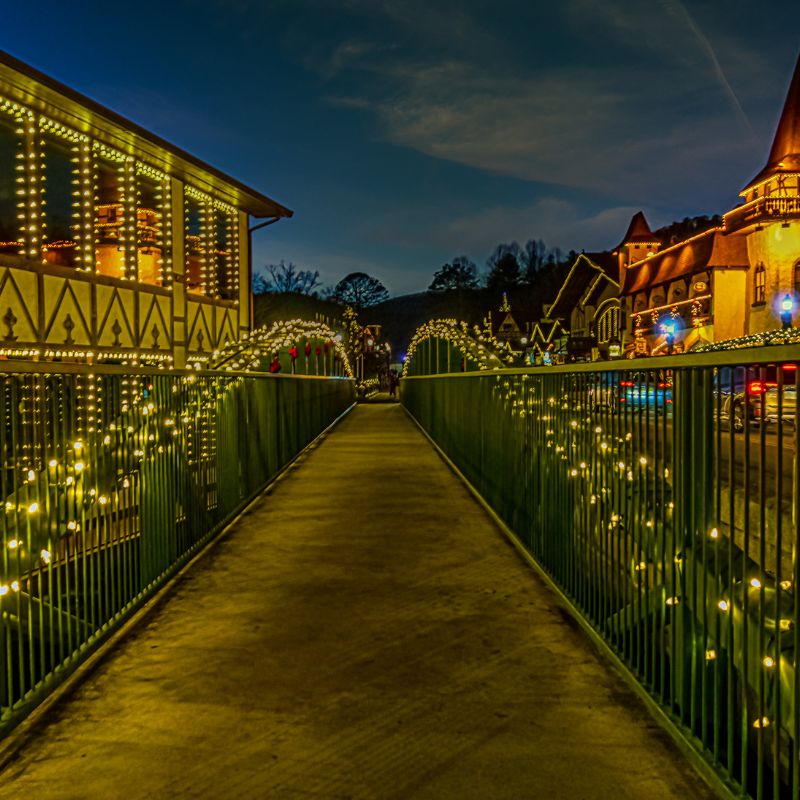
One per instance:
(626, 383)
(759, 387)
(663, 386)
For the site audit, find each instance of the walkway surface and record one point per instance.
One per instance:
(364, 631)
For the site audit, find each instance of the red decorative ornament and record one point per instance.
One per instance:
(318, 350)
(293, 352)
(328, 345)
(275, 366)
(307, 349)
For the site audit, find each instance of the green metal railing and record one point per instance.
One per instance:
(661, 496)
(111, 478)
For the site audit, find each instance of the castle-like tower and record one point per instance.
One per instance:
(769, 219)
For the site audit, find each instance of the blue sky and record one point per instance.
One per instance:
(406, 133)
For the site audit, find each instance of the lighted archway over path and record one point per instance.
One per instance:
(446, 345)
(297, 346)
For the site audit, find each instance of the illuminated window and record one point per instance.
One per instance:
(10, 148)
(195, 251)
(608, 325)
(210, 241)
(760, 284)
(223, 256)
(109, 218)
(149, 228)
(797, 277)
(59, 174)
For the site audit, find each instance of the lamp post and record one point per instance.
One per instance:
(787, 309)
(669, 332)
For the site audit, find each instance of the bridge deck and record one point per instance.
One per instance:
(363, 632)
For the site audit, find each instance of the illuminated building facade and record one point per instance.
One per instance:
(114, 244)
(588, 305)
(733, 280)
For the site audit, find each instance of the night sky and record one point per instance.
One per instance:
(404, 134)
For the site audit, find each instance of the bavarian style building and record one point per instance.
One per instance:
(114, 244)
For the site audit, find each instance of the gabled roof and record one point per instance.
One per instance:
(545, 330)
(707, 250)
(587, 269)
(785, 153)
(638, 231)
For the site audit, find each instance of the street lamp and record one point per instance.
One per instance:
(787, 309)
(669, 331)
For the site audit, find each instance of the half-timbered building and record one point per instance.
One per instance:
(114, 244)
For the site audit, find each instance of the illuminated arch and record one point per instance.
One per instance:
(479, 348)
(255, 350)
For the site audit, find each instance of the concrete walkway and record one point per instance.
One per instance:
(364, 632)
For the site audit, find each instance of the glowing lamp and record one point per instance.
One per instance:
(669, 328)
(787, 309)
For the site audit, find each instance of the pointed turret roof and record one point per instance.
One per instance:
(638, 231)
(785, 153)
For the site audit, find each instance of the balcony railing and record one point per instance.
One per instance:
(763, 209)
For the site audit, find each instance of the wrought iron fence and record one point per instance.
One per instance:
(112, 477)
(661, 496)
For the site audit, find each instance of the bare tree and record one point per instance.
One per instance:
(534, 258)
(260, 285)
(285, 277)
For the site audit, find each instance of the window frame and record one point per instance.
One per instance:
(760, 285)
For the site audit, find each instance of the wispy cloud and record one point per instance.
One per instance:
(591, 125)
(569, 126)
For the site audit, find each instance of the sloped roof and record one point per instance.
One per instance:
(638, 231)
(33, 89)
(545, 331)
(704, 251)
(785, 153)
(587, 269)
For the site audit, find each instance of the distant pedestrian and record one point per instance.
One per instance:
(394, 379)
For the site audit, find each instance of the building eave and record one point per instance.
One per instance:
(33, 89)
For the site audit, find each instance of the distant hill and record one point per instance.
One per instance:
(401, 316)
(686, 228)
(270, 307)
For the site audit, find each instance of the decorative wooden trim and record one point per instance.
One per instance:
(205, 300)
(72, 274)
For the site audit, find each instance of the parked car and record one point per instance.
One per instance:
(754, 393)
(636, 391)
